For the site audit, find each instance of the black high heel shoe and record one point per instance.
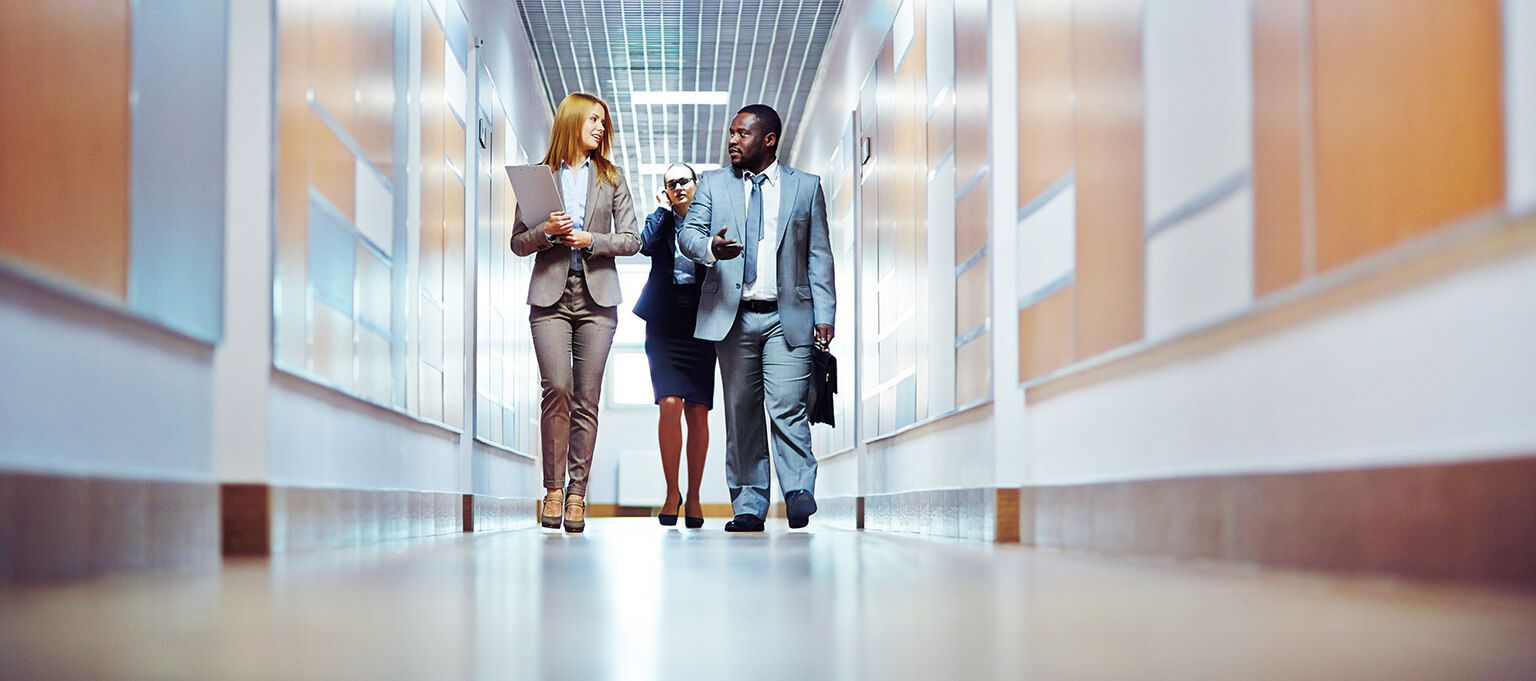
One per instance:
(689, 521)
(670, 520)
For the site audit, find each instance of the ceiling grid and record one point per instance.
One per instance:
(749, 49)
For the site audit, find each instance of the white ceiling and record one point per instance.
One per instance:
(759, 51)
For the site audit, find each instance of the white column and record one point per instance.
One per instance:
(243, 360)
(1011, 455)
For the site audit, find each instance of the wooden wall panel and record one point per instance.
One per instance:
(1045, 335)
(1280, 47)
(292, 183)
(1409, 120)
(973, 370)
(971, 222)
(64, 139)
(972, 103)
(333, 48)
(434, 173)
(1108, 121)
(1045, 95)
(454, 364)
(973, 302)
(376, 82)
(332, 167)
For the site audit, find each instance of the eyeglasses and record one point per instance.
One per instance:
(679, 182)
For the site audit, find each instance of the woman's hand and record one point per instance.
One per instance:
(559, 224)
(578, 238)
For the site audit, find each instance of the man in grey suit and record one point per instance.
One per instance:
(760, 228)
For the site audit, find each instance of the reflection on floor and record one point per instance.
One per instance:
(632, 600)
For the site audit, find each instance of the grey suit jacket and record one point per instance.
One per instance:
(807, 294)
(615, 231)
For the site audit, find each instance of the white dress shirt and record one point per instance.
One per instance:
(573, 185)
(767, 285)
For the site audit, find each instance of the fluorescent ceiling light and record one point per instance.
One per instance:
(661, 168)
(712, 97)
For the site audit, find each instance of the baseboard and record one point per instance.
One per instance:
(976, 513)
(484, 513)
(67, 527)
(839, 512)
(262, 520)
(1473, 521)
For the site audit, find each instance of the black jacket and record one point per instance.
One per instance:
(657, 240)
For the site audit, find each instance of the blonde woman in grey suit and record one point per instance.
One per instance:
(574, 296)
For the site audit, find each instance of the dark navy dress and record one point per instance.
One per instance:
(681, 365)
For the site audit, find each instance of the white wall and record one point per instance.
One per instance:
(1010, 462)
(1438, 372)
(243, 361)
(320, 438)
(86, 391)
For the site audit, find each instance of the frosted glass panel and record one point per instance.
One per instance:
(431, 317)
(373, 290)
(941, 47)
(1047, 245)
(375, 208)
(331, 266)
(177, 175)
(373, 368)
(455, 83)
(431, 393)
(331, 350)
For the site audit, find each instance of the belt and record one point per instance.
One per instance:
(760, 305)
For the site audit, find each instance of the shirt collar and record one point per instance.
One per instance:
(772, 171)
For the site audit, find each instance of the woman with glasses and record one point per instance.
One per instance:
(682, 367)
(574, 296)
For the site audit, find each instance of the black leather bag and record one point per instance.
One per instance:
(823, 386)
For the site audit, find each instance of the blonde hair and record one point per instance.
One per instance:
(565, 137)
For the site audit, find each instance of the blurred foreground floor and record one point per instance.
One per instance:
(632, 600)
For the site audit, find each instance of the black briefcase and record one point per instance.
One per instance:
(823, 386)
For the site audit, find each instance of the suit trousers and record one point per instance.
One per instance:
(764, 376)
(571, 340)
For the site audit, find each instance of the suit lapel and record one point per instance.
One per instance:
(592, 198)
(789, 185)
(734, 196)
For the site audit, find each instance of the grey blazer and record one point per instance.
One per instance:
(615, 231)
(807, 293)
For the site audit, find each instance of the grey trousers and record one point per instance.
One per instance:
(571, 340)
(762, 373)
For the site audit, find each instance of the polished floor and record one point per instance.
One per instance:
(631, 600)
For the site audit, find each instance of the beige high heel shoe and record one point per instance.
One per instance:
(549, 511)
(575, 513)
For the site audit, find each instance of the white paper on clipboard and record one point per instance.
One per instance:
(536, 194)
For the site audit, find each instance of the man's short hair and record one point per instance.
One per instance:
(768, 117)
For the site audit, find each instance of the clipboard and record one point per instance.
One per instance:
(537, 196)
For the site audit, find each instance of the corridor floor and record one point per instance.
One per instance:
(632, 600)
